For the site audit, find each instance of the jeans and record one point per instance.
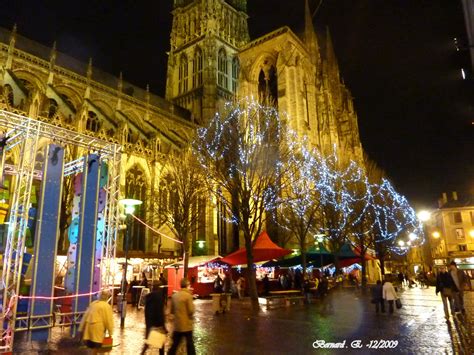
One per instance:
(390, 306)
(458, 300)
(446, 299)
(380, 305)
(177, 339)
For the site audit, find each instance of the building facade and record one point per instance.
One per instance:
(450, 231)
(211, 61)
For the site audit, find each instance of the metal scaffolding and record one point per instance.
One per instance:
(26, 133)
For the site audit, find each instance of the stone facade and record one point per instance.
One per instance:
(211, 61)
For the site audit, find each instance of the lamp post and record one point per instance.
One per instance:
(129, 207)
(320, 239)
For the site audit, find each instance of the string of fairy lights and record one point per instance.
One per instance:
(255, 146)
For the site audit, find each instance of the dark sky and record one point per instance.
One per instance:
(396, 56)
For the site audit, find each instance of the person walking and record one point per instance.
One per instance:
(389, 294)
(154, 314)
(445, 286)
(460, 281)
(401, 279)
(240, 287)
(96, 321)
(218, 284)
(377, 297)
(134, 291)
(182, 308)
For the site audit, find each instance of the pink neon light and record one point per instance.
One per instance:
(57, 297)
(154, 230)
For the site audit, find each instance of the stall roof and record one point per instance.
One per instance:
(197, 261)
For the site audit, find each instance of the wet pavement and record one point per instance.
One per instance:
(346, 318)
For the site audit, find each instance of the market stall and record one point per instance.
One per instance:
(202, 272)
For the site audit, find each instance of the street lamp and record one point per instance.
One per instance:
(424, 216)
(320, 239)
(129, 207)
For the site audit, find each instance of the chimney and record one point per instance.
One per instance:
(455, 196)
(443, 200)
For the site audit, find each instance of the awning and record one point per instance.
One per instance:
(264, 249)
(197, 261)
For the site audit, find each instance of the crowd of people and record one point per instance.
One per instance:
(450, 284)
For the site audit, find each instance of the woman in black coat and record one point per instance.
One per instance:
(154, 314)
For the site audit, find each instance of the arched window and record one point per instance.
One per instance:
(268, 87)
(197, 68)
(235, 73)
(222, 76)
(52, 108)
(129, 136)
(8, 92)
(92, 123)
(183, 75)
(136, 188)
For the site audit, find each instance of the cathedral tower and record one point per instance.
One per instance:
(203, 66)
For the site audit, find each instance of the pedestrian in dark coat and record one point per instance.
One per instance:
(154, 314)
(445, 286)
(377, 297)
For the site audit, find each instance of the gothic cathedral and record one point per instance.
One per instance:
(212, 60)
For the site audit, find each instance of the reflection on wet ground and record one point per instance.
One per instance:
(419, 327)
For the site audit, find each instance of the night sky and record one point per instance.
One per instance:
(396, 56)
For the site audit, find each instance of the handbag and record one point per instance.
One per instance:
(156, 338)
(398, 303)
(107, 345)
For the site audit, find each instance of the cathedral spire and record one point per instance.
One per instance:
(332, 66)
(310, 38)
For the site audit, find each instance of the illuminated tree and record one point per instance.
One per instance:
(300, 210)
(363, 234)
(183, 178)
(339, 195)
(245, 151)
(394, 217)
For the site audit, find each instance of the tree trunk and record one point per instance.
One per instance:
(185, 258)
(382, 265)
(251, 276)
(364, 270)
(303, 261)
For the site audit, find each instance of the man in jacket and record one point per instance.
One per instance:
(445, 285)
(460, 281)
(182, 308)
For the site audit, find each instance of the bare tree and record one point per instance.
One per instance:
(183, 178)
(245, 151)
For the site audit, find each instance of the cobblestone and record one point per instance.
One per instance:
(419, 327)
